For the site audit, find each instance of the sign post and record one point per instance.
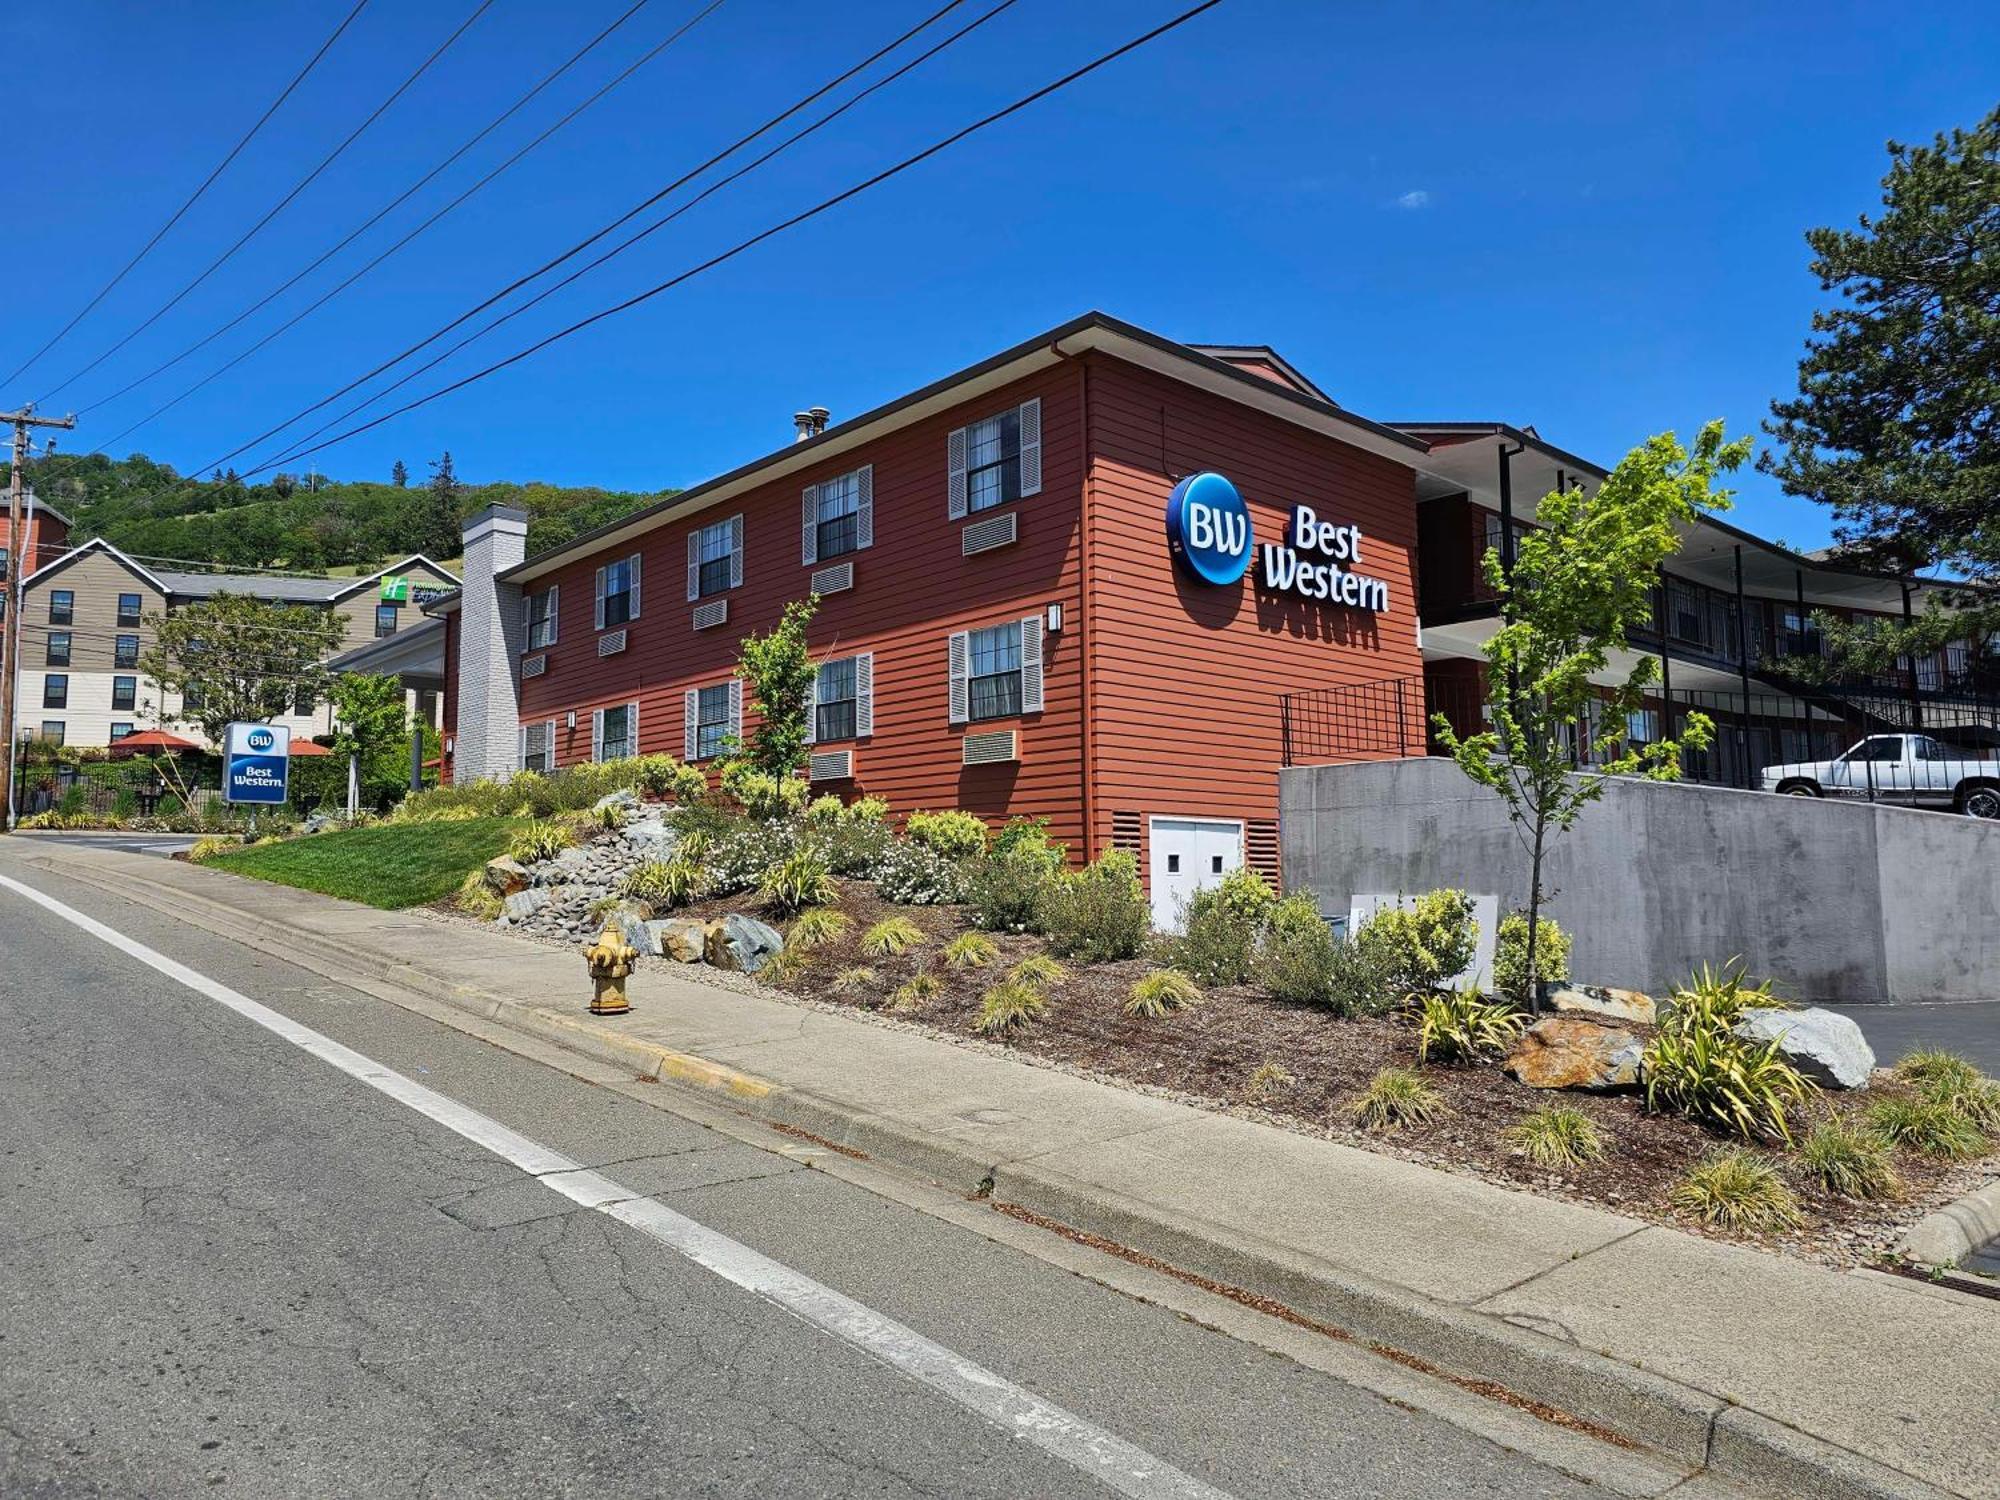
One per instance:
(256, 764)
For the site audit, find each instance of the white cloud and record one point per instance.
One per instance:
(1414, 199)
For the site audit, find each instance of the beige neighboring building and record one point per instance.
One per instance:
(86, 623)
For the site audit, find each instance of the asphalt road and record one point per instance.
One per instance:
(226, 1264)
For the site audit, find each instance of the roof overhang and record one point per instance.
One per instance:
(416, 652)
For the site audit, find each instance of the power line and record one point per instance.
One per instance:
(588, 241)
(779, 228)
(297, 448)
(305, 182)
(208, 181)
(380, 214)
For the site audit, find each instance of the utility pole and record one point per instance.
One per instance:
(24, 421)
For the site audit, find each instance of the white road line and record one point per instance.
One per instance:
(1111, 1460)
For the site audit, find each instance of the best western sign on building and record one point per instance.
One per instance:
(1210, 535)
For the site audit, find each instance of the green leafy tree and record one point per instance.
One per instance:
(1893, 427)
(372, 728)
(1582, 579)
(441, 534)
(236, 658)
(781, 674)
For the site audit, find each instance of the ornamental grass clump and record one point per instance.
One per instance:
(1850, 1160)
(816, 927)
(1396, 1097)
(971, 950)
(859, 977)
(1009, 1006)
(1161, 993)
(478, 899)
(1697, 1065)
(1736, 1189)
(1947, 1078)
(1926, 1127)
(914, 993)
(1557, 1137)
(664, 884)
(1038, 971)
(1464, 1026)
(542, 839)
(799, 880)
(890, 937)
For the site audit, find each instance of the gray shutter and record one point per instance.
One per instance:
(812, 709)
(864, 695)
(864, 515)
(1031, 664)
(632, 728)
(527, 618)
(634, 561)
(549, 729)
(958, 659)
(736, 708)
(600, 601)
(1031, 446)
(555, 628)
(597, 734)
(735, 551)
(694, 564)
(955, 491)
(809, 519)
(690, 712)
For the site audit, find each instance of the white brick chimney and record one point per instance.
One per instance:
(489, 647)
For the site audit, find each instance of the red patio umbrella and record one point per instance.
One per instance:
(148, 741)
(309, 747)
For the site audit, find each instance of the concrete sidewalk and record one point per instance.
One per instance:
(1782, 1376)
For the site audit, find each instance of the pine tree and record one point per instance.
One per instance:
(441, 523)
(400, 475)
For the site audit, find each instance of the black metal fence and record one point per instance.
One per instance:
(124, 789)
(1375, 720)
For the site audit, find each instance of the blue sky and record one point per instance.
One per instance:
(1583, 217)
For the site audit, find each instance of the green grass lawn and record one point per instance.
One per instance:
(390, 866)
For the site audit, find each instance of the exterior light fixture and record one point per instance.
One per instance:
(570, 721)
(1055, 614)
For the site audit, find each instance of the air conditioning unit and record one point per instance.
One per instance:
(990, 749)
(830, 765)
(611, 643)
(708, 616)
(534, 666)
(985, 536)
(833, 580)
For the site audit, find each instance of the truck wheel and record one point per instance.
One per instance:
(1980, 801)
(1798, 789)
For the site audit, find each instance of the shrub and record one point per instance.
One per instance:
(1464, 1025)
(823, 809)
(1421, 947)
(1849, 1160)
(1396, 1097)
(1008, 1006)
(1005, 891)
(737, 860)
(1710, 999)
(664, 884)
(855, 849)
(1038, 971)
(816, 928)
(891, 936)
(1217, 944)
(1557, 1137)
(1928, 1127)
(478, 899)
(1736, 1189)
(796, 882)
(1243, 892)
(1161, 993)
(1696, 1064)
(1298, 913)
(1028, 838)
(540, 840)
(1098, 913)
(915, 992)
(1298, 964)
(1947, 1078)
(663, 776)
(917, 875)
(865, 810)
(955, 835)
(762, 795)
(860, 977)
(970, 950)
(1510, 956)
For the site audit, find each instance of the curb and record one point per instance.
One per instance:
(1955, 1231)
(1704, 1431)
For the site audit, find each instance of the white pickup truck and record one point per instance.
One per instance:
(1912, 769)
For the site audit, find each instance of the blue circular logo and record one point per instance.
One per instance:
(260, 739)
(1208, 529)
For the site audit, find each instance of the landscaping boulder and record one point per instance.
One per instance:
(633, 927)
(650, 837)
(1827, 1048)
(1597, 1000)
(524, 904)
(1569, 1052)
(680, 939)
(741, 943)
(624, 799)
(506, 875)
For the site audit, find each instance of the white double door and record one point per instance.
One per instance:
(1189, 855)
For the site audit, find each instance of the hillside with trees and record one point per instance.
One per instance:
(305, 522)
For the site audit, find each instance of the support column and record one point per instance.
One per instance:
(1743, 664)
(1916, 702)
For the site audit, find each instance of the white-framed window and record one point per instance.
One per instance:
(125, 651)
(843, 702)
(618, 592)
(614, 732)
(996, 460)
(1642, 726)
(712, 719)
(119, 730)
(538, 614)
(839, 515)
(538, 746)
(996, 671)
(715, 558)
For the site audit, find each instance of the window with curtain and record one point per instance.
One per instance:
(993, 671)
(834, 705)
(993, 461)
(712, 725)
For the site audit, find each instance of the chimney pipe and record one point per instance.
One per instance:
(820, 417)
(803, 421)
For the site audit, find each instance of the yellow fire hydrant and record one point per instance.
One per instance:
(609, 961)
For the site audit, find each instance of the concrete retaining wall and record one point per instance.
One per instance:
(1836, 901)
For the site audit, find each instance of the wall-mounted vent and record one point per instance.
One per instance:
(611, 643)
(534, 666)
(831, 765)
(1260, 850)
(708, 616)
(990, 749)
(1125, 831)
(984, 536)
(834, 579)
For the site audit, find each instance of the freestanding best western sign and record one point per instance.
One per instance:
(256, 759)
(1210, 536)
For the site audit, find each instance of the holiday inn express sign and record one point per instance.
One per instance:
(1209, 534)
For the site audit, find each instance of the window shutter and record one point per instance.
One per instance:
(632, 728)
(864, 515)
(549, 729)
(959, 654)
(1031, 446)
(955, 492)
(600, 601)
(809, 520)
(555, 608)
(812, 711)
(735, 551)
(864, 695)
(694, 564)
(736, 708)
(1031, 664)
(597, 734)
(690, 712)
(634, 561)
(527, 617)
